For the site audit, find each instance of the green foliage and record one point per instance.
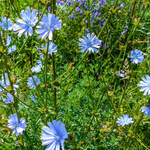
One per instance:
(89, 98)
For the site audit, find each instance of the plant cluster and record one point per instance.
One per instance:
(70, 74)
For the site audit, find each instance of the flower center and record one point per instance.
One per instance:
(49, 27)
(135, 57)
(57, 137)
(28, 22)
(89, 44)
(16, 124)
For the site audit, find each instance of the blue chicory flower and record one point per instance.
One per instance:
(54, 135)
(91, 43)
(5, 82)
(39, 62)
(146, 111)
(8, 41)
(121, 74)
(9, 98)
(125, 120)
(126, 27)
(36, 68)
(51, 49)
(12, 49)
(145, 85)
(31, 83)
(136, 56)
(122, 5)
(17, 126)
(124, 32)
(41, 55)
(3, 23)
(104, 45)
(27, 22)
(47, 26)
(15, 86)
(33, 98)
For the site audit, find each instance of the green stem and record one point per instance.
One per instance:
(15, 9)
(20, 50)
(32, 51)
(114, 122)
(46, 74)
(39, 94)
(38, 9)
(28, 139)
(61, 75)
(7, 70)
(131, 34)
(62, 7)
(12, 89)
(6, 21)
(22, 142)
(107, 20)
(135, 128)
(54, 75)
(74, 68)
(142, 144)
(89, 24)
(53, 60)
(29, 36)
(94, 112)
(86, 65)
(133, 8)
(139, 9)
(19, 99)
